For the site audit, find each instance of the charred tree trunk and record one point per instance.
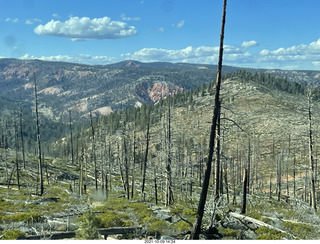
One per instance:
(249, 166)
(311, 158)
(94, 153)
(133, 163)
(245, 185)
(22, 139)
(155, 186)
(169, 193)
(146, 155)
(81, 161)
(38, 138)
(121, 171)
(216, 111)
(126, 168)
(17, 147)
(294, 175)
(218, 166)
(71, 139)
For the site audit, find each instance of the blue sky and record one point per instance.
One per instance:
(281, 34)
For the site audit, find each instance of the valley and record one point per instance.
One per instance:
(135, 150)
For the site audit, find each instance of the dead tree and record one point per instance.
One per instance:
(38, 137)
(218, 166)
(134, 161)
(126, 168)
(17, 160)
(244, 192)
(146, 154)
(71, 139)
(311, 158)
(169, 193)
(94, 153)
(22, 139)
(216, 111)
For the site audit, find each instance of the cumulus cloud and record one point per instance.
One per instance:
(13, 20)
(32, 21)
(125, 18)
(247, 44)
(81, 58)
(55, 15)
(84, 28)
(179, 24)
(300, 53)
(190, 54)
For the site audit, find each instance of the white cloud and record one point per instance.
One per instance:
(301, 53)
(179, 24)
(84, 28)
(161, 29)
(56, 15)
(13, 20)
(81, 58)
(32, 21)
(247, 44)
(125, 18)
(190, 54)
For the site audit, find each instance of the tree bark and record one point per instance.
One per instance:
(169, 193)
(216, 111)
(244, 195)
(38, 137)
(71, 139)
(22, 139)
(94, 153)
(17, 160)
(311, 159)
(146, 155)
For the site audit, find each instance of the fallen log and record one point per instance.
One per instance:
(248, 220)
(117, 230)
(53, 236)
(71, 234)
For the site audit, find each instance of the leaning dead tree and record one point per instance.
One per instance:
(216, 111)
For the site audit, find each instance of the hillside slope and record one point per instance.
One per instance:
(259, 123)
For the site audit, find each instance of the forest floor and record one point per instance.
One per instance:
(61, 209)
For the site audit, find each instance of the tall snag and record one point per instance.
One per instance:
(94, 153)
(146, 154)
(38, 137)
(311, 158)
(22, 139)
(169, 192)
(216, 111)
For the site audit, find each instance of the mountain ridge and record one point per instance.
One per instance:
(83, 88)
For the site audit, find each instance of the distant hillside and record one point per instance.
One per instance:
(103, 89)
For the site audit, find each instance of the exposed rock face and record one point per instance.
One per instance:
(163, 90)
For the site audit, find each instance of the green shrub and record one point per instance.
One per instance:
(11, 234)
(88, 225)
(182, 226)
(265, 233)
(110, 219)
(228, 232)
(300, 230)
(25, 217)
(157, 225)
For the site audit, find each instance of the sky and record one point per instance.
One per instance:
(282, 34)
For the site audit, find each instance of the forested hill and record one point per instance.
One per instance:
(103, 89)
